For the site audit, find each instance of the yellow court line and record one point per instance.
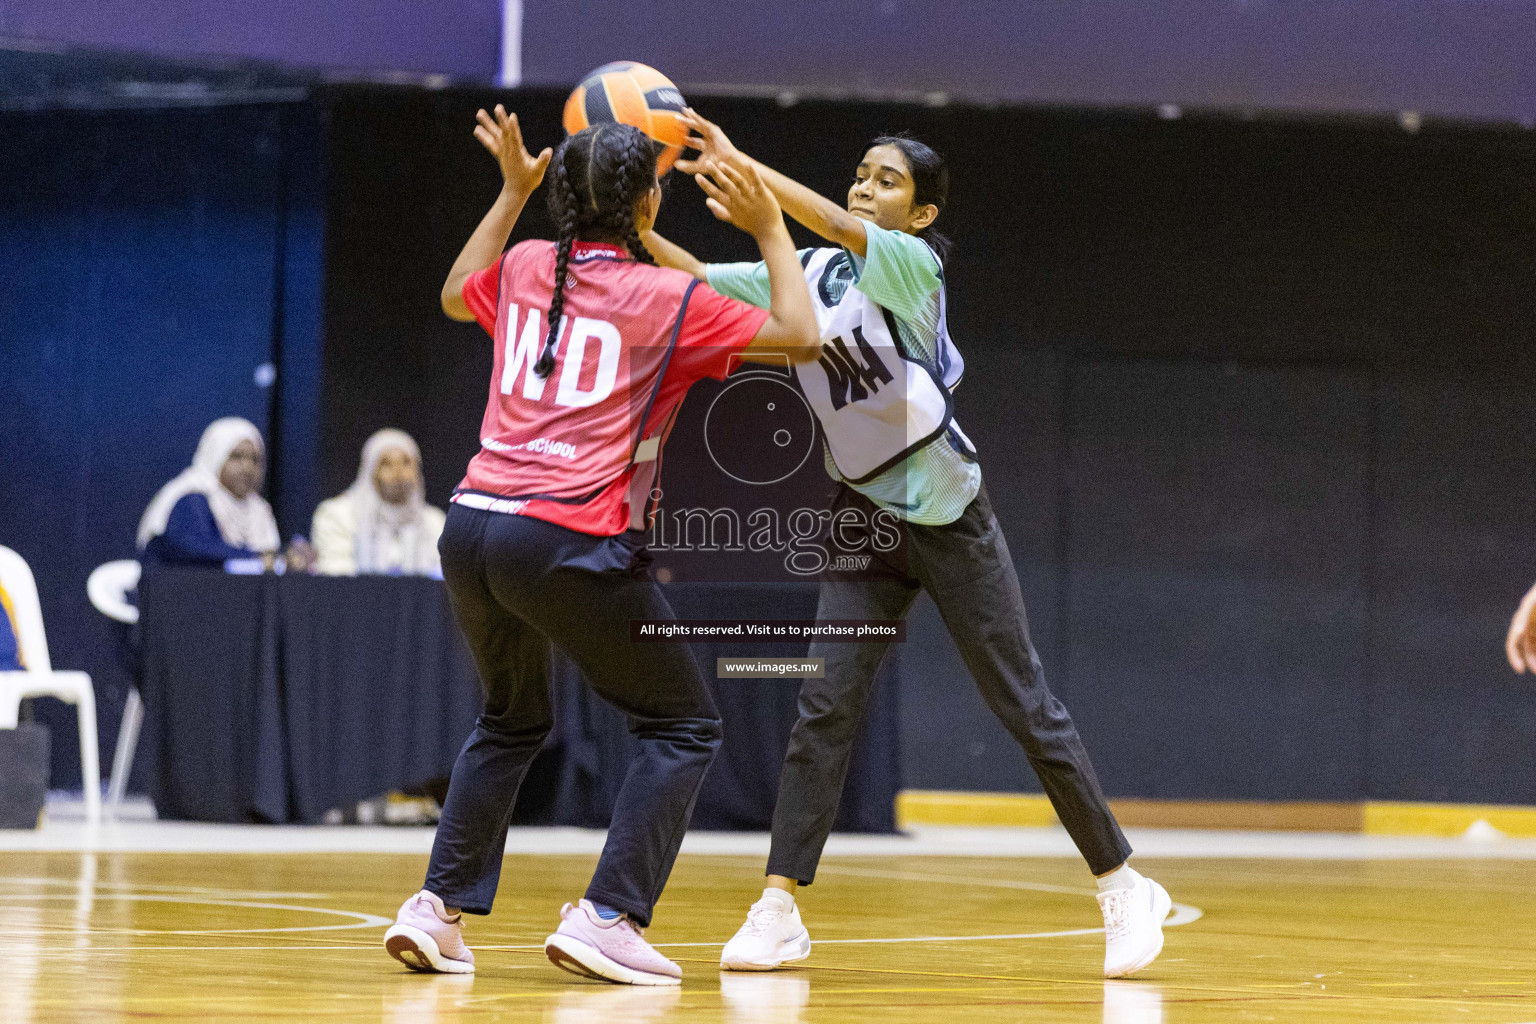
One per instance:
(952, 807)
(553, 992)
(1291, 989)
(918, 974)
(1387, 818)
(93, 950)
(1375, 817)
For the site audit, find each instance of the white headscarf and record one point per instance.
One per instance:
(379, 522)
(244, 522)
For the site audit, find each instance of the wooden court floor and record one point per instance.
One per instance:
(275, 937)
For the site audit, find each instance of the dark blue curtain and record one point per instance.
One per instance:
(143, 261)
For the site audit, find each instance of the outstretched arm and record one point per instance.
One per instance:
(521, 174)
(737, 194)
(816, 212)
(670, 254)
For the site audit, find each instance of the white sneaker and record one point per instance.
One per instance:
(771, 938)
(1133, 926)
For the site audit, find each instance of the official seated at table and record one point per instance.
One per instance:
(212, 511)
(382, 523)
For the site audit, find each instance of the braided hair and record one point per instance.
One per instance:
(600, 173)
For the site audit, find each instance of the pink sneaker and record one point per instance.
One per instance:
(425, 938)
(614, 950)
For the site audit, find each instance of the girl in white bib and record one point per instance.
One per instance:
(881, 392)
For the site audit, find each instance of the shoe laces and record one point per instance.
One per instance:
(1117, 907)
(626, 929)
(631, 938)
(764, 914)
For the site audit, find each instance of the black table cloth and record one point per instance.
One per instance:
(277, 698)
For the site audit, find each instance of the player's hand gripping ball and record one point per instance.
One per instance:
(633, 94)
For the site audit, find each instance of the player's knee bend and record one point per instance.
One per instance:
(825, 712)
(708, 731)
(513, 730)
(1053, 742)
(711, 732)
(832, 727)
(1023, 692)
(689, 737)
(700, 743)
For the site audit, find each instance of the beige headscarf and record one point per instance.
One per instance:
(379, 522)
(244, 522)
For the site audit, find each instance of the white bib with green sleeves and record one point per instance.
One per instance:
(875, 402)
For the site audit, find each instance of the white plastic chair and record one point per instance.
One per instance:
(108, 588)
(39, 679)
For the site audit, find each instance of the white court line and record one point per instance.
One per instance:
(169, 890)
(990, 883)
(1183, 913)
(911, 938)
(362, 920)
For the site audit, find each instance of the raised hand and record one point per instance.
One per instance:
(503, 139)
(1520, 645)
(709, 140)
(736, 194)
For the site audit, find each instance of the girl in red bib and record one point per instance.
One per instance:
(595, 347)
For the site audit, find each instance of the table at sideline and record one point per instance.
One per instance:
(276, 698)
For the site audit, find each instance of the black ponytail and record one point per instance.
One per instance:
(600, 173)
(930, 184)
(637, 176)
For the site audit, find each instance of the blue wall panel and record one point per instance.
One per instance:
(139, 253)
(1457, 547)
(1220, 524)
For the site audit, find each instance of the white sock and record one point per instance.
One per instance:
(786, 899)
(1123, 877)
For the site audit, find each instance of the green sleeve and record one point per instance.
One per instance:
(900, 273)
(747, 282)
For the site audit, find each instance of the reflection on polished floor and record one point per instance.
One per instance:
(246, 937)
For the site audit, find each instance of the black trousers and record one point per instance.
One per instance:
(966, 569)
(516, 585)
